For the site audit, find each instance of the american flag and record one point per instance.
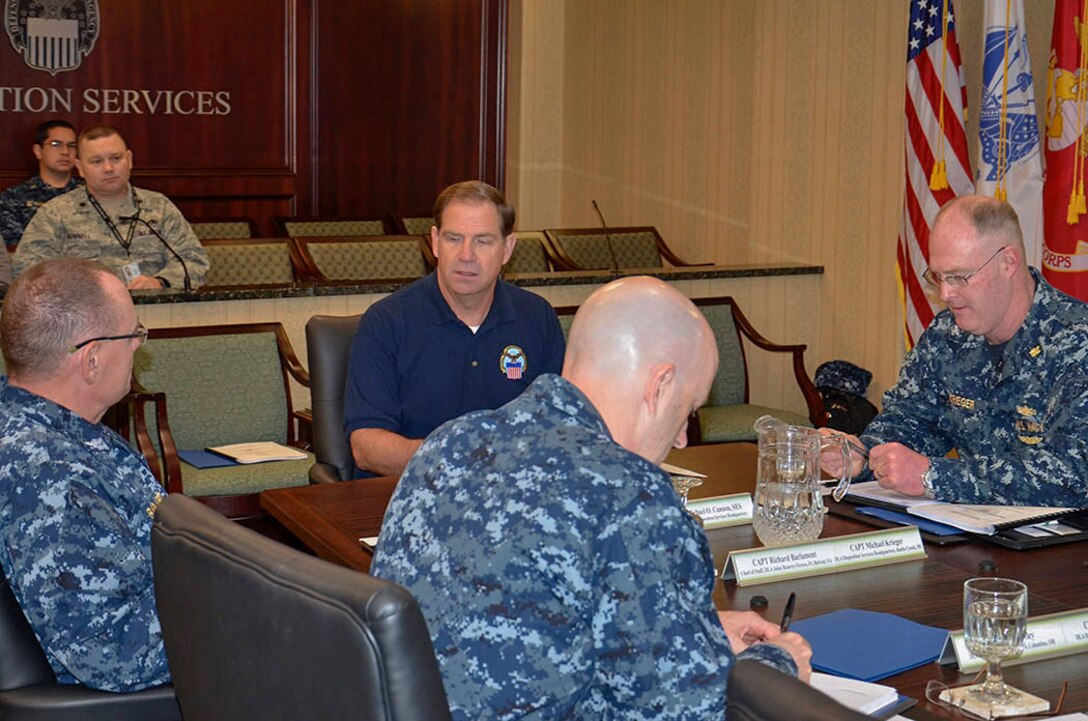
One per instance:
(936, 149)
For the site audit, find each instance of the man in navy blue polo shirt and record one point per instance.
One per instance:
(455, 341)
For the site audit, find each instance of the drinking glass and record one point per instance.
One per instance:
(995, 616)
(683, 486)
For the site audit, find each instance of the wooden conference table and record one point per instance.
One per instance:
(330, 518)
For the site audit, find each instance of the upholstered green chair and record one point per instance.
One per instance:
(418, 225)
(530, 254)
(589, 249)
(566, 318)
(211, 228)
(729, 413)
(216, 385)
(387, 257)
(252, 261)
(300, 226)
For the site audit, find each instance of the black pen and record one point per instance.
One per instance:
(787, 615)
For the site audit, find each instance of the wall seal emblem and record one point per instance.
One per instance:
(52, 35)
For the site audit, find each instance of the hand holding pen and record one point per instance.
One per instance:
(787, 614)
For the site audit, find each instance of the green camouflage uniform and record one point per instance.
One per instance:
(69, 226)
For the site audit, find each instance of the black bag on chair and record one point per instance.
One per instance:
(846, 412)
(842, 386)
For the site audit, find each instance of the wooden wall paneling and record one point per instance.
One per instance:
(202, 90)
(409, 97)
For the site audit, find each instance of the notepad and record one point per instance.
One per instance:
(867, 645)
(864, 697)
(259, 452)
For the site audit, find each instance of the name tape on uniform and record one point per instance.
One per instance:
(828, 555)
(1050, 636)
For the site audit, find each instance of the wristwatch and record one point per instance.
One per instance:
(927, 482)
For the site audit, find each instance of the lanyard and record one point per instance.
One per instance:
(125, 242)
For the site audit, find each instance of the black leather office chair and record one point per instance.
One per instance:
(328, 344)
(257, 630)
(29, 690)
(757, 692)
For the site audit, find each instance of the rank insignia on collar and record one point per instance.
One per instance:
(1025, 410)
(1034, 352)
(960, 402)
(512, 362)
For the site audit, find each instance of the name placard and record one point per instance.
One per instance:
(1050, 636)
(828, 555)
(722, 511)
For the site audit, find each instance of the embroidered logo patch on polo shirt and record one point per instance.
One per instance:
(512, 362)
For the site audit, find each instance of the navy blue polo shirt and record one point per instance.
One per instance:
(415, 365)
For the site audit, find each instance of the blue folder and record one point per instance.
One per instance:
(906, 519)
(206, 459)
(868, 645)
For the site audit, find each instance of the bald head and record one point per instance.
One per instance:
(645, 356)
(993, 223)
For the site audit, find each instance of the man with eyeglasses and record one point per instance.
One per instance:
(1000, 376)
(138, 233)
(76, 501)
(55, 149)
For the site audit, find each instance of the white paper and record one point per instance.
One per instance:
(968, 517)
(859, 695)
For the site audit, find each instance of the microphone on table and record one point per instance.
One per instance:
(607, 238)
(135, 218)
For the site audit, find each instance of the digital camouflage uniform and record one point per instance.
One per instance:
(19, 203)
(558, 573)
(69, 226)
(1019, 424)
(76, 507)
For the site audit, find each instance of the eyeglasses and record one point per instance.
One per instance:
(58, 144)
(957, 281)
(140, 333)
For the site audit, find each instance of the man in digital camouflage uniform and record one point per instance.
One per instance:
(55, 149)
(558, 572)
(111, 221)
(76, 502)
(999, 376)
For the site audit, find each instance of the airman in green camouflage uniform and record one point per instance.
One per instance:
(138, 233)
(70, 227)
